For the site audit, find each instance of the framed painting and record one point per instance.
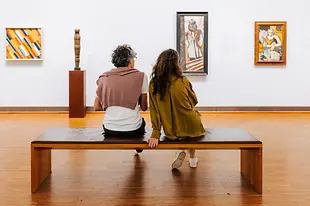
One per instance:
(270, 43)
(23, 44)
(192, 42)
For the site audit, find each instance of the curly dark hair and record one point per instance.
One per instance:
(122, 55)
(167, 65)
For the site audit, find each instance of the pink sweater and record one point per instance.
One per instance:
(120, 87)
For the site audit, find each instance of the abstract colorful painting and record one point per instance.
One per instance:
(270, 43)
(192, 42)
(23, 44)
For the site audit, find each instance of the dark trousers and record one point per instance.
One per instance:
(138, 132)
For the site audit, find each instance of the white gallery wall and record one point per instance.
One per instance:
(150, 27)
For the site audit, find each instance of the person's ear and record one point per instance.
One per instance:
(131, 63)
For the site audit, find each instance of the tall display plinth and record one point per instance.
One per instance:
(77, 99)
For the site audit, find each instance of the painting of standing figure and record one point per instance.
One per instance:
(270, 43)
(192, 37)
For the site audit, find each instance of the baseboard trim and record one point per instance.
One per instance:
(65, 110)
(34, 110)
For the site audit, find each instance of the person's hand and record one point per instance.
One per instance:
(153, 142)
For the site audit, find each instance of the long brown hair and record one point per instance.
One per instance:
(167, 65)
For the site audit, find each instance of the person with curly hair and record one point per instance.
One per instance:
(172, 102)
(122, 92)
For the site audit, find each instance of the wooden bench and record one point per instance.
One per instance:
(92, 138)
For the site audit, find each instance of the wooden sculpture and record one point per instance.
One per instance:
(77, 48)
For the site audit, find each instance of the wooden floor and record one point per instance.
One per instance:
(120, 178)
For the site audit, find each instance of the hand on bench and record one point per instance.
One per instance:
(153, 142)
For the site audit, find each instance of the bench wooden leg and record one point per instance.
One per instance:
(41, 166)
(252, 167)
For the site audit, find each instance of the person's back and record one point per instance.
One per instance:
(121, 92)
(172, 102)
(175, 110)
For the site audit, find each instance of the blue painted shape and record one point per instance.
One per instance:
(27, 42)
(37, 46)
(11, 45)
(24, 32)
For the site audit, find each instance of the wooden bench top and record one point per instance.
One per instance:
(95, 136)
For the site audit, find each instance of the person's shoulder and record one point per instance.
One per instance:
(100, 79)
(141, 73)
(183, 79)
(138, 71)
(182, 82)
(145, 78)
(145, 75)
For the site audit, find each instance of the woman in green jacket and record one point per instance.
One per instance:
(172, 102)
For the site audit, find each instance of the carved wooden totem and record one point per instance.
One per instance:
(77, 48)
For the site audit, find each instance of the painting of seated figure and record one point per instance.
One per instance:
(192, 38)
(23, 44)
(270, 43)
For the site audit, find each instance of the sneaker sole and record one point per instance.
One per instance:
(193, 166)
(179, 160)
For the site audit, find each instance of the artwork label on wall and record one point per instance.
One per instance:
(192, 42)
(270, 43)
(23, 44)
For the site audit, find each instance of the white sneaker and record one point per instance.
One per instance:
(193, 162)
(178, 160)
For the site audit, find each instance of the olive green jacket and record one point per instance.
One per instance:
(175, 112)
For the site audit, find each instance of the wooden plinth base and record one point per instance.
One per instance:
(77, 100)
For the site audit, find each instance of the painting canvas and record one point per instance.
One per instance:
(23, 44)
(270, 43)
(192, 42)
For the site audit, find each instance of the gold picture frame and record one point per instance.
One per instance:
(270, 43)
